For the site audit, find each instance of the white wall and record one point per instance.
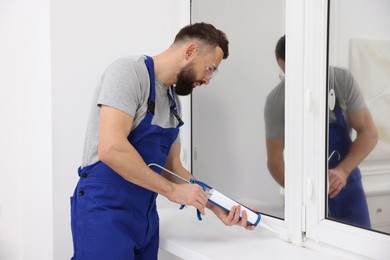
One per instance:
(10, 141)
(26, 159)
(52, 56)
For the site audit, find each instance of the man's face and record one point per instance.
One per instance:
(198, 72)
(186, 80)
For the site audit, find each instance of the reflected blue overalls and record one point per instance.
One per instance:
(111, 217)
(350, 205)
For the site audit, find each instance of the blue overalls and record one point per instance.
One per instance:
(111, 218)
(350, 205)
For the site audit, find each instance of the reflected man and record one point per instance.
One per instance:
(347, 201)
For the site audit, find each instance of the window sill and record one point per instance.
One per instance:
(183, 235)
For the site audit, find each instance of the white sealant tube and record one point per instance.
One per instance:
(227, 203)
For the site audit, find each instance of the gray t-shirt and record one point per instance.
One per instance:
(347, 91)
(125, 85)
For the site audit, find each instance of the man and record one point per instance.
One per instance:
(135, 121)
(347, 200)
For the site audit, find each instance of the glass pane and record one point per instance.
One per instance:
(359, 107)
(228, 131)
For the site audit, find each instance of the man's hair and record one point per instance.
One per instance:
(207, 35)
(280, 50)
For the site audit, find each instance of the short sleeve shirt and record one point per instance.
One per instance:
(348, 95)
(125, 85)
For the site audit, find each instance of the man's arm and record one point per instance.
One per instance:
(275, 163)
(366, 139)
(115, 150)
(174, 164)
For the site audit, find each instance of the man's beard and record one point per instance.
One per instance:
(185, 81)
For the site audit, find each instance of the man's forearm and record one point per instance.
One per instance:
(277, 172)
(360, 149)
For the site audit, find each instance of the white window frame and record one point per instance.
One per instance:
(306, 114)
(294, 116)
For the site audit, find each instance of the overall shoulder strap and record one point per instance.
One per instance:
(152, 96)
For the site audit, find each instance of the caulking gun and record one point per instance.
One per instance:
(220, 200)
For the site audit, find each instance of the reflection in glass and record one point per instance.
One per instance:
(227, 115)
(359, 131)
(347, 200)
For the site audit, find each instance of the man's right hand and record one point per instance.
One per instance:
(189, 195)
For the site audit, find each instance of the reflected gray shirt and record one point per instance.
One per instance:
(348, 95)
(125, 85)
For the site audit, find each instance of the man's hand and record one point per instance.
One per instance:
(189, 195)
(337, 181)
(233, 217)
